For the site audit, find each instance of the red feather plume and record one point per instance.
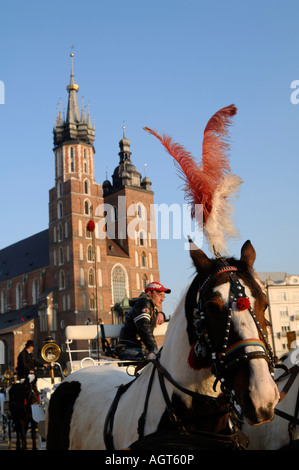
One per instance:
(201, 181)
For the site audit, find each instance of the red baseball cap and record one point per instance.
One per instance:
(158, 287)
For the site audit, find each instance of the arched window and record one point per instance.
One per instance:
(35, 291)
(91, 279)
(82, 277)
(101, 302)
(60, 255)
(141, 238)
(144, 281)
(86, 207)
(143, 259)
(59, 232)
(85, 161)
(84, 301)
(86, 187)
(92, 302)
(59, 189)
(72, 162)
(118, 283)
(3, 301)
(18, 296)
(140, 211)
(90, 253)
(61, 280)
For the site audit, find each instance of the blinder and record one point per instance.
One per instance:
(204, 349)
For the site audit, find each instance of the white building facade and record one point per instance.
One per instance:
(282, 290)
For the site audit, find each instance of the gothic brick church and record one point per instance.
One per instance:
(98, 251)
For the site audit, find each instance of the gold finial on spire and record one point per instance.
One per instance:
(72, 85)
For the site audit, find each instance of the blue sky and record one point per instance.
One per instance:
(169, 65)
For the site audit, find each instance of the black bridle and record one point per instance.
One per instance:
(228, 357)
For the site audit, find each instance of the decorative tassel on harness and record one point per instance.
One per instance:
(210, 184)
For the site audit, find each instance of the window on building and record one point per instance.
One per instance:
(143, 259)
(144, 281)
(85, 161)
(61, 257)
(90, 253)
(35, 291)
(284, 312)
(3, 301)
(61, 280)
(59, 232)
(86, 187)
(91, 277)
(72, 165)
(59, 210)
(92, 302)
(84, 301)
(86, 207)
(18, 296)
(101, 302)
(118, 283)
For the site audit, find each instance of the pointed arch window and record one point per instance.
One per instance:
(85, 161)
(90, 253)
(72, 160)
(59, 233)
(91, 277)
(61, 280)
(144, 281)
(86, 207)
(143, 259)
(86, 186)
(60, 255)
(18, 296)
(35, 291)
(118, 283)
(3, 301)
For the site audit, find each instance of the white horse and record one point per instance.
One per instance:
(214, 351)
(277, 433)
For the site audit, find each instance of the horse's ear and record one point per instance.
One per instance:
(248, 254)
(200, 260)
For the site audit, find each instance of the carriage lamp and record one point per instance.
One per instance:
(50, 353)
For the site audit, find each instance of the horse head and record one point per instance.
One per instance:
(226, 327)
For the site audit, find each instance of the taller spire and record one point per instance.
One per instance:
(75, 127)
(73, 114)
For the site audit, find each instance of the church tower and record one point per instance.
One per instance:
(133, 199)
(72, 203)
(92, 272)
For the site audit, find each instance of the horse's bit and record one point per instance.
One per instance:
(222, 361)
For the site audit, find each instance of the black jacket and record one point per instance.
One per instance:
(138, 329)
(26, 362)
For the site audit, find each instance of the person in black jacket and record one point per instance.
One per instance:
(27, 363)
(137, 339)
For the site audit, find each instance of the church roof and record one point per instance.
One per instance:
(25, 256)
(11, 320)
